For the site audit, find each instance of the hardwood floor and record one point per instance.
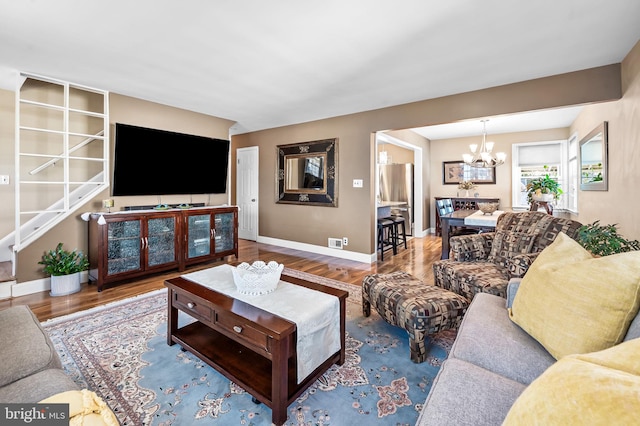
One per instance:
(416, 259)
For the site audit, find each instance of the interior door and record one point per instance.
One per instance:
(247, 192)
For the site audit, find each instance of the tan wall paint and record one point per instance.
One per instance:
(452, 150)
(354, 215)
(123, 109)
(137, 112)
(396, 154)
(7, 161)
(621, 203)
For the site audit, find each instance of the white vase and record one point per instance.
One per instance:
(466, 194)
(62, 285)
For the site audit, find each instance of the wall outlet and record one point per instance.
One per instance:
(4, 179)
(345, 241)
(358, 183)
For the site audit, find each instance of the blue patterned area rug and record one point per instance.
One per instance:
(120, 352)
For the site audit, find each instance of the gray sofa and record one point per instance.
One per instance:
(31, 370)
(491, 362)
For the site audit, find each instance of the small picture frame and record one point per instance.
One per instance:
(454, 172)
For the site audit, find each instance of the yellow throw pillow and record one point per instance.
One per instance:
(602, 388)
(574, 303)
(86, 408)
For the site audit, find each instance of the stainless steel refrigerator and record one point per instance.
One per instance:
(396, 185)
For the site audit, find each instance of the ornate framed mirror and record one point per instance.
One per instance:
(593, 160)
(307, 173)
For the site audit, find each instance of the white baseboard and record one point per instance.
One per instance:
(30, 287)
(34, 286)
(342, 254)
(325, 251)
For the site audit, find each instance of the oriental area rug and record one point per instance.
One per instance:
(120, 352)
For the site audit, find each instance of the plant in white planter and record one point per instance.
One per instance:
(64, 267)
(543, 189)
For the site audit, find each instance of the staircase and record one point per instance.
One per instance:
(62, 152)
(32, 229)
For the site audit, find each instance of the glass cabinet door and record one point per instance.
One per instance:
(161, 237)
(124, 251)
(199, 235)
(224, 235)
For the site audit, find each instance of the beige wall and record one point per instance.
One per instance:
(620, 204)
(7, 161)
(396, 154)
(452, 150)
(355, 213)
(127, 110)
(73, 231)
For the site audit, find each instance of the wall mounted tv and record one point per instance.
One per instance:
(158, 162)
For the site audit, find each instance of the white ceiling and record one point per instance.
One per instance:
(266, 64)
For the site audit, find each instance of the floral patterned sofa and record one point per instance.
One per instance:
(484, 263)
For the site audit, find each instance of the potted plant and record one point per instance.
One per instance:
(543, 189)
(64, 267)
(603, 240)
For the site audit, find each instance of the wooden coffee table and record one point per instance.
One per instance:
(250, 346)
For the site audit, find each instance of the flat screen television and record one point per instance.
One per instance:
(159, 162)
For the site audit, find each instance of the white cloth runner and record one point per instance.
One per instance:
(316, 314)
(480, 219)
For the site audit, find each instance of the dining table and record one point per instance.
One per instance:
(469, 219)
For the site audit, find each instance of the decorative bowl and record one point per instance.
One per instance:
(258, 278)
(488, 208)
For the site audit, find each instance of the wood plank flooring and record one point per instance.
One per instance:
(417, 259)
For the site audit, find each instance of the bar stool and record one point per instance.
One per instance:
(386, 226)
(398, 221)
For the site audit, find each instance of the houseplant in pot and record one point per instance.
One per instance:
(543, 189)
(64, 267)
(604, 240)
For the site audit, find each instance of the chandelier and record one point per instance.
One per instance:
(483, 157)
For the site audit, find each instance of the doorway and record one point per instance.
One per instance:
(418, 190)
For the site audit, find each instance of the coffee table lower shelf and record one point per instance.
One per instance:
(268, 373)
(232, 359)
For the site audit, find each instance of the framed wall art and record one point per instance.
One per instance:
(454, 172)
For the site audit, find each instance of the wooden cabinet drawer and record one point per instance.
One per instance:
(193, 307)
(243, 330)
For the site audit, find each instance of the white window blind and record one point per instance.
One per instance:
(534, 155)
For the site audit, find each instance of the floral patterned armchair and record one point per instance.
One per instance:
(484, 263)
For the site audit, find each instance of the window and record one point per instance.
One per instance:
(571, 193)
(533, 160)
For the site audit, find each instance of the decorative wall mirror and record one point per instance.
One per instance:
(593, 160)
(307, 173)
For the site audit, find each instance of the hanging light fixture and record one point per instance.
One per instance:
(483, 157)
